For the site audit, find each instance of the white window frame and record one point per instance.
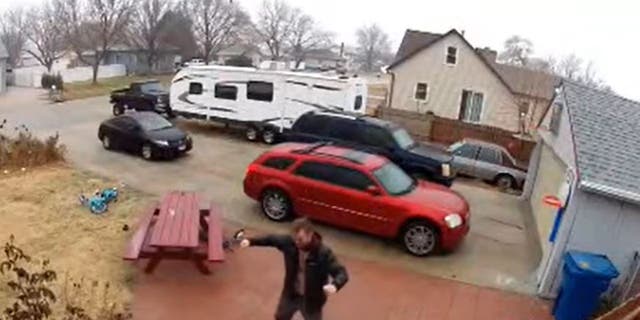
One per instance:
(446, 54)
(415, 90)
(484, 102)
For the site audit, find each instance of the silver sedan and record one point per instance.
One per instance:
(489, 162)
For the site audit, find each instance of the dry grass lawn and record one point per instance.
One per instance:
(40, 207)
(85, 89)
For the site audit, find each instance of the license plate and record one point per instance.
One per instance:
(182, 147)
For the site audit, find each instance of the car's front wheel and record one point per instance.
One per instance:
(251, 133)
(118, 109)
(106, 142)
(420, 238)
(269, 136)
(276, 205)
(505, 182)
(147, 151)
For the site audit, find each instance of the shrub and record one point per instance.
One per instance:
(46, 81)
(35, 298)
(59, 82)
(23, 149)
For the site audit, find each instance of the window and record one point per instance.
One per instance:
(310, 124)
(260, 91)
(421, 91)
(465, 150)
(125, 123)
(335, 175)
(358, 103)
(278, 163)
(394, 180)
(151, 87)
(452, 55)
(403, 139)
(554, 124)
(226, 92)
(489, 155)
(342, 129)
(195, 88)
(377, 137)
(154, 122)
(471, 105)
(507, 161)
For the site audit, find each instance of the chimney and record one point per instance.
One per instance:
(462, 32)
(489, 54)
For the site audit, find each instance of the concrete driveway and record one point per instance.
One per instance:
(497, 253)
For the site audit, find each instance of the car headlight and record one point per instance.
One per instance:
(453, 220)
(446, 169)
(161, 142)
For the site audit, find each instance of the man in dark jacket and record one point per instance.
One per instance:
(312, 271)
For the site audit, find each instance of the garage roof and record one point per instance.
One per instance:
(606, 132)
(3, 51)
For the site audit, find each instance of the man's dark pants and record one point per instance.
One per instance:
(290, 304)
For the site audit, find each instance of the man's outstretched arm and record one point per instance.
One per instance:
(276, 241)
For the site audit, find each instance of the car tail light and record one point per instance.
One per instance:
(251, 169)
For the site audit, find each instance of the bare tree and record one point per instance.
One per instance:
(574, 68)
(45, 39)
(92, 27)
(12, 34)
(177, 32)
(214, 24)
(306, 36)
(517, 51)
(147, 26)
(373, 49)
(275, 22)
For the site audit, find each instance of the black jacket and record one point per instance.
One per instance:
(321, 263)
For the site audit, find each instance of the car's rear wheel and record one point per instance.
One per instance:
(269, 136)
(118, 109)
(106, 142)
(276, 205)
(251, 133)
(147, 151)
(420, 238)
(505, 182)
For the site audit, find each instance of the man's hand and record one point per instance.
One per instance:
(329, 289)
(245, 243)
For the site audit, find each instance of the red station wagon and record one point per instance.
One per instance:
(358, 191)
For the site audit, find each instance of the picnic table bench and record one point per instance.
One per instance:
(178, 227)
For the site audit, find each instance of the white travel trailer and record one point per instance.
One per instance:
(265, 102)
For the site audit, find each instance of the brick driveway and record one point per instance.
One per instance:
(246, 286)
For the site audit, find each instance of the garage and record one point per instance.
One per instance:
(547, 181)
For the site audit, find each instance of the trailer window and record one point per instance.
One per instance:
(318, 86)
(260, 91)
(226, 92)
(358, 103)
(195, 88)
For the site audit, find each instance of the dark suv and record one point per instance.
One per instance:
(375, 136)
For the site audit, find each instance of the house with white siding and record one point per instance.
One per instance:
(587, 157)
(444, 74)
(4, 56)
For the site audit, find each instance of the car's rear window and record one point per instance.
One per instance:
(278, 163)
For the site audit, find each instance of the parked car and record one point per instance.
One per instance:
(375, 136)
(141, 96)
(145, 133)
(360, 191)
(489, 162)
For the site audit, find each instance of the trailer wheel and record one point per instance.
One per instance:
(118, 109)
(269, 136)
(251, 134)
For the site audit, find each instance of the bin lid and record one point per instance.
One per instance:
(589, 264)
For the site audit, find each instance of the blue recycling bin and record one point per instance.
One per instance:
(585, 277)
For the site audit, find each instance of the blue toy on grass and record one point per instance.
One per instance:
(100, 201)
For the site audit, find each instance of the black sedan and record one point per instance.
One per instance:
(145, 133)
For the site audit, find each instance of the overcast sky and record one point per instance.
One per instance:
(605, 32)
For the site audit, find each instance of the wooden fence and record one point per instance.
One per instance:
(429, 127)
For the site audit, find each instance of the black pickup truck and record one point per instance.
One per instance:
(147, 95)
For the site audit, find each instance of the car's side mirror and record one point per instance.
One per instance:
(373, 190)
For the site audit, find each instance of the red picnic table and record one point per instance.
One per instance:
(171, 229)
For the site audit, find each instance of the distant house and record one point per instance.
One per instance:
(444, 74)
(239, 51)
(587, 156)
(325, 59)
(135, 60)
(4, 57)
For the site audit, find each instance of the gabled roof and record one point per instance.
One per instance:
(416, 41)
(518, 80)
(605, 132)
(3, 51)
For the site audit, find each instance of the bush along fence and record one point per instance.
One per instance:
(438, 130)
(20, 148)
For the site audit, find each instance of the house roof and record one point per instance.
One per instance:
(528, 82)
(517, 79)
(240, 49)
(414, 43)
(605, 132)
(3, 51)
(323, 54)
